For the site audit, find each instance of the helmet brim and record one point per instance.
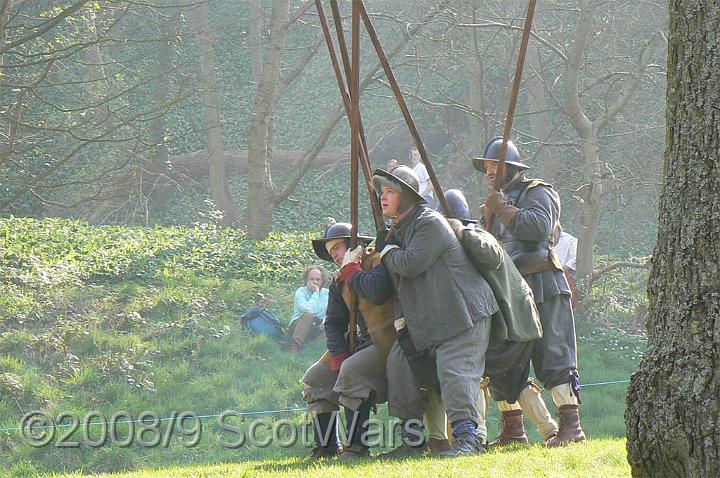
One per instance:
(320, 250)
(382, 178)
(479, 164)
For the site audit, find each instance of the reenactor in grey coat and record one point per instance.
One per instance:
(523, 217)
(443, 307)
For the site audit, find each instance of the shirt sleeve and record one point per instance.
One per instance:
(375, 285)
(322, 309)
(309, 302)
(337, 320)
(572, 253)
(424, 177)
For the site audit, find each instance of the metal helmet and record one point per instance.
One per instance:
(402, 176)
(337, 230)
(492, 153)
(459, 208)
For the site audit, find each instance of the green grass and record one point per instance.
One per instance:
(604, 458)
(132, 319)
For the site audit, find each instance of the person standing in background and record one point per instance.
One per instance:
(565, 244)
(426, 188)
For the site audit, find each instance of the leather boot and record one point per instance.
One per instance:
(355, 451)
(325, 436)
(512, 429)
(356, 427)
(569, 429)
(437, 445)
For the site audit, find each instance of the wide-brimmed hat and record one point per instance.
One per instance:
(492, 153)
(337, 230)
(402, 176)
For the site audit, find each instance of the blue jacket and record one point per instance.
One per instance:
(315, 303)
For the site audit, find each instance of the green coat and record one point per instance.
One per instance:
(518, 319)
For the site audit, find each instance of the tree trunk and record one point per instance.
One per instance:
(160, 160)
(673, 401)
(158, 128)
(259, 201)
(591, 207)
(255, 20)
(216, 149)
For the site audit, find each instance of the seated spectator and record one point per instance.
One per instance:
(392, 164)
(566, 247)
(311, 302)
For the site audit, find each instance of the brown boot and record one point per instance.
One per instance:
(295, 346)
(569, 429)
(436, 445)
(354, 452)
(319, 453)
(512, 429)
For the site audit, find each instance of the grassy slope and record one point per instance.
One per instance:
(138, 319)
(596, 458)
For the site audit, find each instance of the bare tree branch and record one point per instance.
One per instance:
(45, 27)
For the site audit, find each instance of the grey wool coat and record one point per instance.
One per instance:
(439, 292)
(539, 213)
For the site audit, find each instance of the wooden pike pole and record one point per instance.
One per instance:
(342, 85)
(403, 106)
(501, 175)
(354, 152)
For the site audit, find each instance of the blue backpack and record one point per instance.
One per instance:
(261, 322)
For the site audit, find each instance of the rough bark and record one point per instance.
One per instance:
(673, 401)
(220, 193)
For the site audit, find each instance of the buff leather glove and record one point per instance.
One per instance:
(495, 203)
(352, 255)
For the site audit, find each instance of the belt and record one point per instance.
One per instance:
(552, 264)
